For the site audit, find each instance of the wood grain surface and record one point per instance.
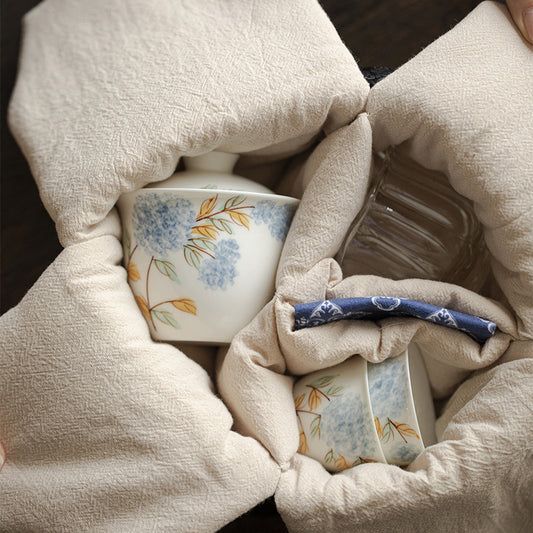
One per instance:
(377, 32)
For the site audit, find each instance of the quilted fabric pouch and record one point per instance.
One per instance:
(452, 108)
(103, 428)
(107, 430)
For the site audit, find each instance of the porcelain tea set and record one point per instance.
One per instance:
(201, 250)
(359, 412)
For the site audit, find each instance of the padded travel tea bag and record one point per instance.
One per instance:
(106, 429)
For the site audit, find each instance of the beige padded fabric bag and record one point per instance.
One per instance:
(104, 429)
(463, 106)
(107, 430)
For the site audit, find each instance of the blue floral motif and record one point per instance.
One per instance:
(302, 322)
(386, 304)
(220, 271)
(347, 427)
(325, 312)
(444, 317)
(382, 307)
(162, 224)
(276, 216)
(388, 385)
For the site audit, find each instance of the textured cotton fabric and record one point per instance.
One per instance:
(106, 430)
(314, 314)
(111, 94)
(455, 109)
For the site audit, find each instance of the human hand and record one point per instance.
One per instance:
(522, 13)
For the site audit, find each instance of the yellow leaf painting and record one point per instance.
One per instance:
(141, 302)
(133, 272)
(314, 399)
(341, 463)
(207, 230)
(207, 206)
(303, 447)
(386, 432)
(362, 461)
(186, 305)
(379, 427)
(240, 218)
(299, 401)
(406, 430)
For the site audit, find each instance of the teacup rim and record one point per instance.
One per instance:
(412, 414)
(251, 194)
(411, 352)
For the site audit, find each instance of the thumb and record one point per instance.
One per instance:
(522, 13)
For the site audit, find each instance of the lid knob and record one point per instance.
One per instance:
(212, 161)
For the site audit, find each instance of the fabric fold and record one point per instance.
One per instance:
(103, 428)
(131, 92)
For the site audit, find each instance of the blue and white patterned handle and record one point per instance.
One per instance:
(378, 307)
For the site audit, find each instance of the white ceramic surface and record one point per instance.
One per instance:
(202, 260)
(210, 171)
(335, 418)
(402, 404)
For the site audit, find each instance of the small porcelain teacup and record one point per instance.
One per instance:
(403, 406)
(335, 417)
(358, 412)
(202, 249)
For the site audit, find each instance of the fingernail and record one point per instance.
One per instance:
(527, 17)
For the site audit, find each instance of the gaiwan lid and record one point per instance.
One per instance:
(213, 170)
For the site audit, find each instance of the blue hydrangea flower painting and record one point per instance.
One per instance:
(350, 446)
(170, 223)
(219, 272)
(162, 225)
(388, 385)
(276, 217)
(341, 423)
(345, 421)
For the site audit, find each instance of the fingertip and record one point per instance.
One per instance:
(527, 19)
(522, 13)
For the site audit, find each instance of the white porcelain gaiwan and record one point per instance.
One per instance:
(335, 417)
(358, 412)
(202, 248)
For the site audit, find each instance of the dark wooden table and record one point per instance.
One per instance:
(377, 32)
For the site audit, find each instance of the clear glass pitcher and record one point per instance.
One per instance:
(415, 225)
